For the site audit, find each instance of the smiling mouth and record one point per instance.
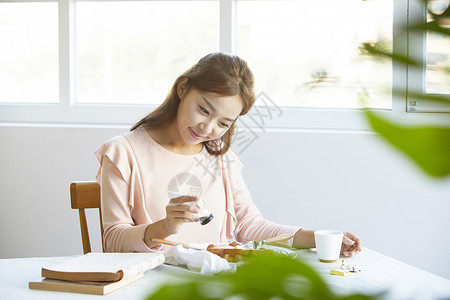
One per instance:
(195, 135)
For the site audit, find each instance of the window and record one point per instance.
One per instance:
(308, 53)
(111, 62)
(132, 52)
(438, 52)
(29, 58)
(431, 77)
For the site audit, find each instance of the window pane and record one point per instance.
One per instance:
(29, 52)
(132, 52)
(438, 50)
(307, 53)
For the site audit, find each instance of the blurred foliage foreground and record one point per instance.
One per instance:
(259, 278)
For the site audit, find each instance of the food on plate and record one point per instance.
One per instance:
(235, 252)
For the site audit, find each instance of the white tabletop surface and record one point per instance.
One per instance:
(382, 273)
(379, 273)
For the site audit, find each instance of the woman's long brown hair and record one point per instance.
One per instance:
(220, 73)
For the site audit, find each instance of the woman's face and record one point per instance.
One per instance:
(204, 116)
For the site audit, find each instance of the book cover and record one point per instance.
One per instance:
(106, 267)
(95, 288)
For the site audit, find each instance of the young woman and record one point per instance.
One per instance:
(179, 153)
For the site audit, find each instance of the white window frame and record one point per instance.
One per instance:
(416, 74)
(68, 112)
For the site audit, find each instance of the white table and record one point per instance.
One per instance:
(379, 273)
(382, 273)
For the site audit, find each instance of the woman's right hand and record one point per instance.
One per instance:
(177, 214)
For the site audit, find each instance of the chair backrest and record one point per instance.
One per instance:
(84, 195)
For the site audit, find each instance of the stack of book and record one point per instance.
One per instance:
(97, 273)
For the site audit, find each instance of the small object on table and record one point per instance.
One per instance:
(353, 268)
(340, 272)
(342, 267)
(350, 268)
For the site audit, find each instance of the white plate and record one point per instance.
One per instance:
(276, 249)
(281, 250)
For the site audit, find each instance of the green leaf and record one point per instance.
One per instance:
(433, 26)
(438, 23)
(262, 277)
(376, 51)
(427, 146)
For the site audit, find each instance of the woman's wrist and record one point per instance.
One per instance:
(155, 230)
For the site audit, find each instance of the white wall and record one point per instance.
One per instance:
(317, 179)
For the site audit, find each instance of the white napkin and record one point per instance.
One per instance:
(195, 260)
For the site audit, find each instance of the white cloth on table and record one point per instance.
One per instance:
(200, 261)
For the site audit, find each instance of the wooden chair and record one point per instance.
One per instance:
(86, 195)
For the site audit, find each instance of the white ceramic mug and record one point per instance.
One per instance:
(328, 245)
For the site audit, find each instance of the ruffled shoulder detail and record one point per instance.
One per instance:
(120, 153)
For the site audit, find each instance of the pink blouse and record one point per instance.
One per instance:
(138, 178)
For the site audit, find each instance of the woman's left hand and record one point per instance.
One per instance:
(351, 244)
